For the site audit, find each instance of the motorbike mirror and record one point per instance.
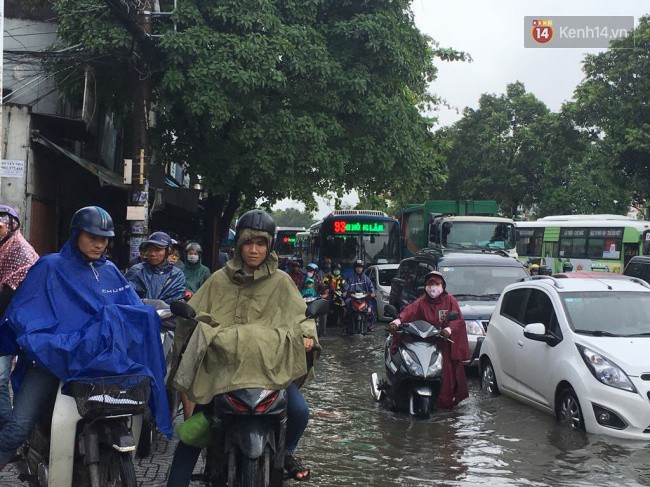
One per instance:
(319, 307)
(182, 309)
(390, 311)
(452, 316)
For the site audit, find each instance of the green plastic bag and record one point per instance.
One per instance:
(195, 431)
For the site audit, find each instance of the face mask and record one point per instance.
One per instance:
(434, 291)
(336, 272)
(310, 274)
(192, 259)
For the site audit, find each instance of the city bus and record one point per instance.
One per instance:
(345, 236)
(583, 242)
(285, 242)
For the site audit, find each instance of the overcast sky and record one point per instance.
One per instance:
(491, 31)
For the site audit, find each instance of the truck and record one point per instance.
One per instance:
(456, 224)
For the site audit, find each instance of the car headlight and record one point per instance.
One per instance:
(411, 364)
(436, 365)
(605, 371)
(474, 327)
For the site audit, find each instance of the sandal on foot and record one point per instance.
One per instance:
(294, 466)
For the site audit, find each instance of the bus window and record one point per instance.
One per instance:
(529, 241)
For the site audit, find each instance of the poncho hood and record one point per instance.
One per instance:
(16, 258)
(81, 319)
(249, 334)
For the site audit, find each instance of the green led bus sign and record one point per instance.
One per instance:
(357, 227)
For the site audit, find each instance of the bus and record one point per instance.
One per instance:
(454, 224)
(583, 242)
(285, 242)
(345, 236)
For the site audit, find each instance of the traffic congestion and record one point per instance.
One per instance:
(465, 315)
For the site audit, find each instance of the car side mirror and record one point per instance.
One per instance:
(319, 307)
(538, 333)
(390, 311)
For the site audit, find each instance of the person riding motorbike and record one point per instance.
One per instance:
(359, 282)
(308, 290)
(174, 256)
(296, 274)
(312, 272)
(251, 332)
(534, 269)
(157, 278)
(432, 307)
(195, 272)
(17, 256)
(76, 317)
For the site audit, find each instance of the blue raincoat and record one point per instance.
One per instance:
(165, 282)
(81, 320)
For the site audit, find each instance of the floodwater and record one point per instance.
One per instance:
(352, 440)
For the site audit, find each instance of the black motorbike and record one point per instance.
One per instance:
(358, 314)
(336, 312)
(414, 373)
(248, 431)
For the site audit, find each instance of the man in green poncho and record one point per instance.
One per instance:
(195, 272)
(251, 332)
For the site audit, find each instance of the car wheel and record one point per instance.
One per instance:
(569, 412)
(489, 378)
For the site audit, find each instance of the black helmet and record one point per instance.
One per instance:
(194, 246)
(359, 263)
(336, 266)
(93, 220)
(255, 220)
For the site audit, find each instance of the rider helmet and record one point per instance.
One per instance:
(194, 246)
(336, 266)
(93, 220)
(160, 239)
(359, 263)
(313, 267)
(435, 275)
(12, 214)
(256, 220)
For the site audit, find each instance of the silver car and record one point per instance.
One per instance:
(381, 276)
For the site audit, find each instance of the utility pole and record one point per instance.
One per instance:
(140, 139)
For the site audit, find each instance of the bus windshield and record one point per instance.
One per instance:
(371, 247)
(492, 235)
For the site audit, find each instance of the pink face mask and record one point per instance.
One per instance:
(434, 290)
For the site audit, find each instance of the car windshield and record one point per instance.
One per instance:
(608, 313)
(386, 276)
(483, 282)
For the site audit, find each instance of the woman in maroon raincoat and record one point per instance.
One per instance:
(432, 307)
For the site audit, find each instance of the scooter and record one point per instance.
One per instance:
(414, 373)
(357, 322)
(336, 312)
(90, 437)
(248, 431)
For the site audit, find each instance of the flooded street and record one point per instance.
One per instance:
(352, 440)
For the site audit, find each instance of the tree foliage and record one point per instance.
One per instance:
(613, 105)
(292, 217)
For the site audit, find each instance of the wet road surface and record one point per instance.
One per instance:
(352, 440)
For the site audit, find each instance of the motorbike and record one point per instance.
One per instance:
(248, 431)
(167, 332)
(360, 311)
(414, 373)
(89, 437)
(337, 308)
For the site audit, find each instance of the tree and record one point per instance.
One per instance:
(613, 105)
(292, 217)
(496, 150)
(267, 99)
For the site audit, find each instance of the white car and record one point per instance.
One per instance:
(381, 276)
(575, 348)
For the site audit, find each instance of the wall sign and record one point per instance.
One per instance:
(12, 168)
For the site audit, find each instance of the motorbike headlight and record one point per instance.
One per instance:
(474, 327)
(436, 365)
(411, 364)
(605, 371)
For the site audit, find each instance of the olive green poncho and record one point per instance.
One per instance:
(250, 333)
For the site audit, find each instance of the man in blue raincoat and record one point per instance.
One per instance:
(76, 317)
(156, 277)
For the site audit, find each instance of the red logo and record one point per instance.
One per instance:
(542, 31)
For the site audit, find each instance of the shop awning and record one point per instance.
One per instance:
(105, 175)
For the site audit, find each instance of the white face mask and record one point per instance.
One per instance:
(434, 290)
(192, 259)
